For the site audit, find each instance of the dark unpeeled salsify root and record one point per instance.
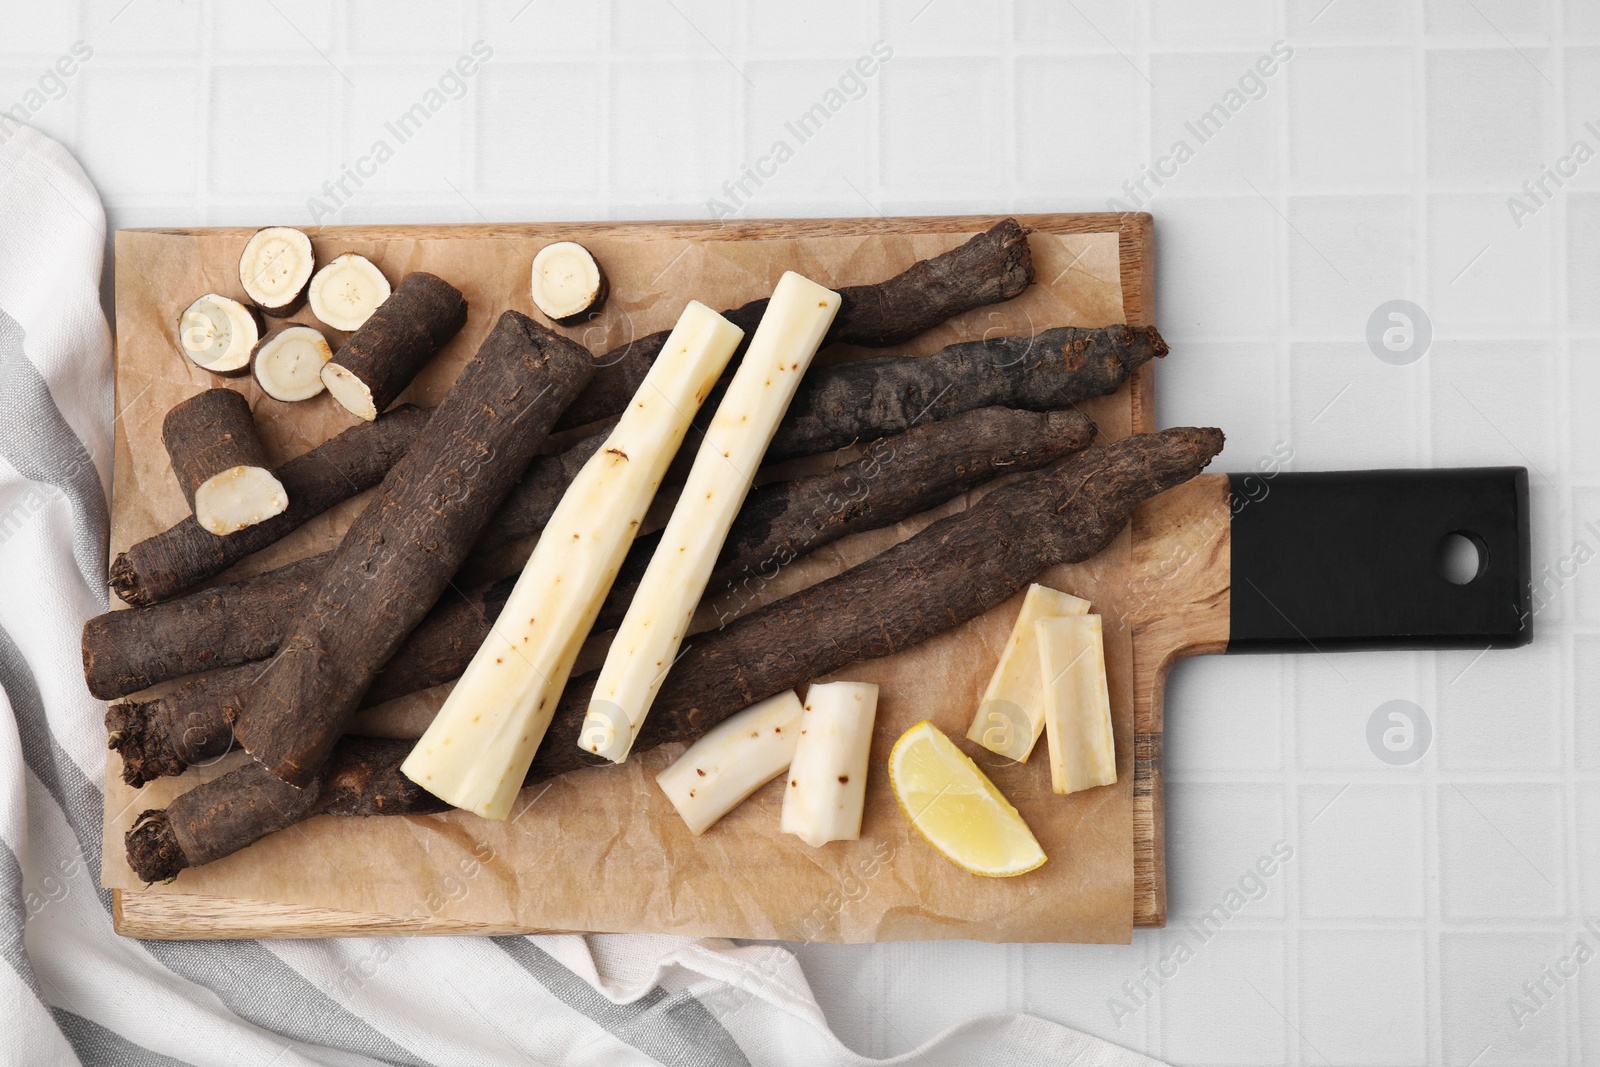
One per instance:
(165, 564)
(991, 267)
(950, 572)
(844, 403)
(420, 316)
(145, 743)
(187, 727)
(386, 352)
(898, 477)
(220, 462)
(836, 406)
(126, 651)
(1049, 370)
(152, 846)
(400, 553)
(252, 803)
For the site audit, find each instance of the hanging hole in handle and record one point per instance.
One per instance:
(1461, 557)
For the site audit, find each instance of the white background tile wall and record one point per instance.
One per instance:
(1375, 165)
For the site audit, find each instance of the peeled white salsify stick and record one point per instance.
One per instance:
(736, 757)
(1010, 717)
(479, 746)
(791, 330)
(827, 788)
(1077, 703)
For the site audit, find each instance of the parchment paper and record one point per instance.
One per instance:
(603, 850)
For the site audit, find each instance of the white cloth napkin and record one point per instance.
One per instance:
(72, 991)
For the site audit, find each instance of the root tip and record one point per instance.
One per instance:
(146, 751)
(153, 850)
(124, 581)
(1158, 344)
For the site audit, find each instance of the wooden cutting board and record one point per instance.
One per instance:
(1172, 582)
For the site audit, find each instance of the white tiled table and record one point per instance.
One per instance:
(1375, 165)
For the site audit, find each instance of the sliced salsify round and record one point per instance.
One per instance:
(218, 333)
(274, 269)
(289, 363)
(346, 292)
(568, 283)
(956, 808)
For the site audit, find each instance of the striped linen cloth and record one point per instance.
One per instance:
(73, 991)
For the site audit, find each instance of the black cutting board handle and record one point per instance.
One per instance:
(1349, 560)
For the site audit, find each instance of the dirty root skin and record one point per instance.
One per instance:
(399, 554)
(126, 651)
(220, 462)
(992, 267)
(166, 564)
(380, 359)
(899, 476)
(843, 404)
(950, 572)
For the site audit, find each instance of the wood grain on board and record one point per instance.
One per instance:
(1178, 574)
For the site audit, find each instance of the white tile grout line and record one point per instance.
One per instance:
(343, 121)
(1084, 198)
(1284, 430)
(1379, 775)
(1566, 692)
(1426, 664)
(1010, 146)
(603, 34)
(876, 115)
(204, 179)
(743, 102)
(1293, 779)
(471, 29)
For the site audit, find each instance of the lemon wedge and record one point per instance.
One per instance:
(955, 806)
